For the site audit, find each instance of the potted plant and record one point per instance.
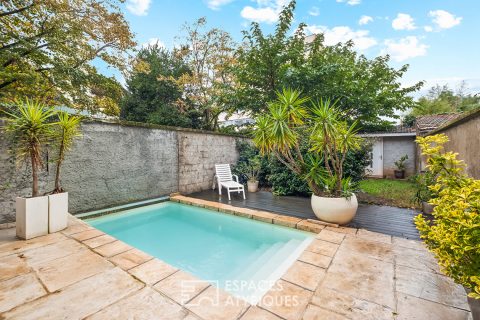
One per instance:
(66, 130)
(454, 234)
(400, 164)
(29, 128)
(251, 170)
(289, 124)
(423, 194)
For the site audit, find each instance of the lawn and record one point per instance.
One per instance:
(398, 193)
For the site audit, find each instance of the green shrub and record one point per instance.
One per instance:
(454, 234)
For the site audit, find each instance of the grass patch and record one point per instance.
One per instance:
(398, 193)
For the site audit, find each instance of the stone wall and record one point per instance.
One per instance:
(464, 135)
(113, 164)
(393, 149)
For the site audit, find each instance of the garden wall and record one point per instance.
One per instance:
(115, 163)
(464, 135)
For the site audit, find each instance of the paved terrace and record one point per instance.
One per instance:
(346, 273)
(384, 219)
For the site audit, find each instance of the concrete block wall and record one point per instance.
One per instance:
(113, 164)
(393, 149)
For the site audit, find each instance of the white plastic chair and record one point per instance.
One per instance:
(225, 179)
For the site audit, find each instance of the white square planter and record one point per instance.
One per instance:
(31, 217)
(57, 211)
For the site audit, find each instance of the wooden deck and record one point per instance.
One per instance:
(388, 220)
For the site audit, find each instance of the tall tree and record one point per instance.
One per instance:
(365, 89)
(153, 94)
(442, 99)
(210, 56)
(46, 47)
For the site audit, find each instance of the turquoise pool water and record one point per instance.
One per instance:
(223, 249)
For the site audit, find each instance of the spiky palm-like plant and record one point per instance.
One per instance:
(291, 123)
(30, 128)
(67, 129)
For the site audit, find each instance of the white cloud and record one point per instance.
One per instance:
(314, 11)
(266, 11)
(405, 48)
(151, 42)
(338, 34)
(351, 2)
(444, 19)
(428, 28)
(138, 7)
(216, 4)
(403, 21)
(365, 20)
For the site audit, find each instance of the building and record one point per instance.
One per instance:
(389, 146)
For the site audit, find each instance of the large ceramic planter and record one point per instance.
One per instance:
(57, 211)
(252, 186)
(31, 217)
(335, 210)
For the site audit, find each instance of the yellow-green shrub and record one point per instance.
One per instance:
(454, 234)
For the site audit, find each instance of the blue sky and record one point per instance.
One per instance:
(436, 37)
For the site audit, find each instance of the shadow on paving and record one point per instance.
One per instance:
(384, 219)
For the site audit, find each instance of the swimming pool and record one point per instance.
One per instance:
(223, 249)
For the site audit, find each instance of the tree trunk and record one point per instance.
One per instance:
(34, 175)
(58, 188)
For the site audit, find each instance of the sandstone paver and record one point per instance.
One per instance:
(368, 248)
(152, 271)
(112, 248)
(323, 247)
(76, 228)
(59, 273)
(349, 306)
(286, 300)
(80, 299)
(88, 234)
(408, 243)
(181, 286)
(215, 304)
(345, 230)
(316, 259)
(412, 308)
(130, 259)
(12, 266)
(374, 236)
(98, 241)
(430, 286)
(330, 236)
(304, 275)
(286, 221)
(309, 226)
(416, 259)
(19, 290)
(145, 304)
(255, 313)
(53, 251)
(316, 313)
(17, 246)
(362, 277)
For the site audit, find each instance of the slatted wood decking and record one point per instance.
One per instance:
(388, 220)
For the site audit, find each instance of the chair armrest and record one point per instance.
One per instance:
(236, 177)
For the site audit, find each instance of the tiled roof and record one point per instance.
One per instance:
(431, 122)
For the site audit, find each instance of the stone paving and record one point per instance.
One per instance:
(81, 273)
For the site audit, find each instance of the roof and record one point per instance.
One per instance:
(432, 122)
(395, 131)
(461, 118)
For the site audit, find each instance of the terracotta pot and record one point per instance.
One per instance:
(252, 186)
(335, 210)
(57, 211)
(399, 174)
(31, 217)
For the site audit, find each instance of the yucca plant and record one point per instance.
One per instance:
(66, 130)
(293, 120)
(30, 128)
